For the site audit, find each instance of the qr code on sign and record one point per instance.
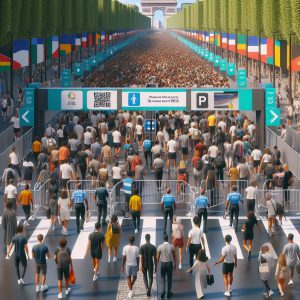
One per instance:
(102, 99)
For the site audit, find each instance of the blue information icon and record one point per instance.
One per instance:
(134, 99)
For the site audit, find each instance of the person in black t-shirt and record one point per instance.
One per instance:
(149, 260)
(100, 198)
(96, 244)
(287, 181)
(21, 249)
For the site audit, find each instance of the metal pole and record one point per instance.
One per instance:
(259, 58)
(290, 67)
(45, 56)
(247, 54)
(80, 48)
(11, 65)
(236, 50)
(30, 60)
(274, 79)
(221, 43)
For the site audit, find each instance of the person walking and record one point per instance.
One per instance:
(79, 197)
(53, 205)
(168, 205)
(195, 238)
(248, 231)
(233, 200)
(202, 268)
(127, 188)
(251, 193)
(166, 254)
(130, 258)
(100, 198)
(11, 195)
(135, 206)
(282, 274)
(229, 260)
(271, 213)
(19, 241)
(148, 263)
(64, 206)
(201, 205)
(113, 236)
(39, 254)
(158, 166)
(292, 252)
(9, 225)
(178, 238)
(147, 145)
(266, 264)
(26, 200)
(96, 245)
(62, 257)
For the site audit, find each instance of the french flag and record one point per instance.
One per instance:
(263, 49)
(206, 37)
(84, 40)
(224, 40)
(253, 48)
(231, 42)
(20, 54)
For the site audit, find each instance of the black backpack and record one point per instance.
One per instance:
(63, 259)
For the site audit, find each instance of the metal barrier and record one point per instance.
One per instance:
(290, 199)
(23, 147)
(293, 138)
(7, 137)
(288, 154)
(218, 195)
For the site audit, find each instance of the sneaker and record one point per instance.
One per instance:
(22, 281)
(108, 260)
(114, 259)
(25, 224)
(249, 254)
(281, 293)
(37, 289)
(180, 267)
(229, 288)
(227, 293)
(148, 293)
(169, 295)
(68, 291)
(130, 294)
(136, 231)
(44, 288)
(291, 282)
(270, 293)
(266, 295)
(59, 296)
(19, 282)
(95, 277)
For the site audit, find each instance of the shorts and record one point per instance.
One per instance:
(41, 268)
(178, 243)
(131, 271)
(184, 150)
(4, 109)
(63, 273)
(256, 163)
(289, 117)
(53, 207)
(227, 268)
(139, 137)
(64, 214)
(96, 254)
(16, 130)
(172, 155)
(117, 145)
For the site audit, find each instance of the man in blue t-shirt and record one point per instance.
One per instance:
(147, 145)
(168, 207)
(233, 200)
(127, 189)
(201, 204)
(39, 253)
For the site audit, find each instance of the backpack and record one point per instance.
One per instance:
(220, 162)
(176, 233)
(9, 175)
(63, 259)
(198, 165)
(123, 129)
(239, 151)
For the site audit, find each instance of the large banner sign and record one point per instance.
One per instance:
(155, 99)
(82, 99)
(204, 99)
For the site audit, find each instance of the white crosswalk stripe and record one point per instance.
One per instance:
(288, 227)
(272, 250)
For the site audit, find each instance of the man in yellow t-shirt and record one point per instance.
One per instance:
(26, 200)
(211, 120)
(36, 148)
(135, 206)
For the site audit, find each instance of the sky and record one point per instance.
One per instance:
(158, 14)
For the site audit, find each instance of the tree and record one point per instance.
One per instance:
(234, 15)
(256, 17)
(295, 4)
(271, 17)
(224, 14)
(5, 21)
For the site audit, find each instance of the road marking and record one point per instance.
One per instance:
(42, 228)
(226, 229)
(149, 226)
(288, 227)
(272, 250)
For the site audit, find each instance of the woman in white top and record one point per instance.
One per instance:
(228, 154)
(116, 173)
(266, 158)
(64, 206)
(139, 133)
(201, 268)
(177, 237)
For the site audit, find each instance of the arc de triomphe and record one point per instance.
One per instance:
(168, 7)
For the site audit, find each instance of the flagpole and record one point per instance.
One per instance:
(236, 50)
(45, 56)
(247, 53)
(71, 55)
(30, 60)
(259, 58)
(80, 52)
(221, 43)
(290, 66)
(59, 66)
(11, 65)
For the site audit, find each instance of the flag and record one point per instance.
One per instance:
(52, 47)
(241, 44)
(203, 36)
(218, 39)
(207, 37)
(231, 42)
(84, 40)
(253, 47)
(91, 36)
(211, 38)
(281, 54)
(224, 40)
(4, 59)
(37, 51)
(97, 39)
(102, 37)
(106, 37)
(295, 57)
(21, 54)
(270, 55)
(65, 44)
(263, 49)
(76, 42)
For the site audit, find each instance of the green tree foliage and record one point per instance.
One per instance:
(296, 16)
(256, 17)
(245, 21)
(286, 24)
(25, 19)
(5, 21)
(206, 22)
(224, 15)
(271, 17)
(214, 14)
(234, 15)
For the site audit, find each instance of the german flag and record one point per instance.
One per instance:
(4, 59)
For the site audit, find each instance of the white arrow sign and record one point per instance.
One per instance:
(25, 115)
(274, 115)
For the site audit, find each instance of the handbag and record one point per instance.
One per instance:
(72, 277)
(210, 279)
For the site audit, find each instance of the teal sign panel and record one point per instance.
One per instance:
(242, 78)
(270, 98)
(77, 69)
(29, 97)
(27, 116)
(94, 62)
(231, 69)
(273, 117)
(66, 78)
(217, 61)
(223, 65)
(86, 65)
(211, 57)
(206, 54)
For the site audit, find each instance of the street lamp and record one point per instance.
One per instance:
(236, 49)
(274, 78)
(247, 54)
(290, 66)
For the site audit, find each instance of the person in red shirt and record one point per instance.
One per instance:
(200, 147)
(135, 161)
(63, 153)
